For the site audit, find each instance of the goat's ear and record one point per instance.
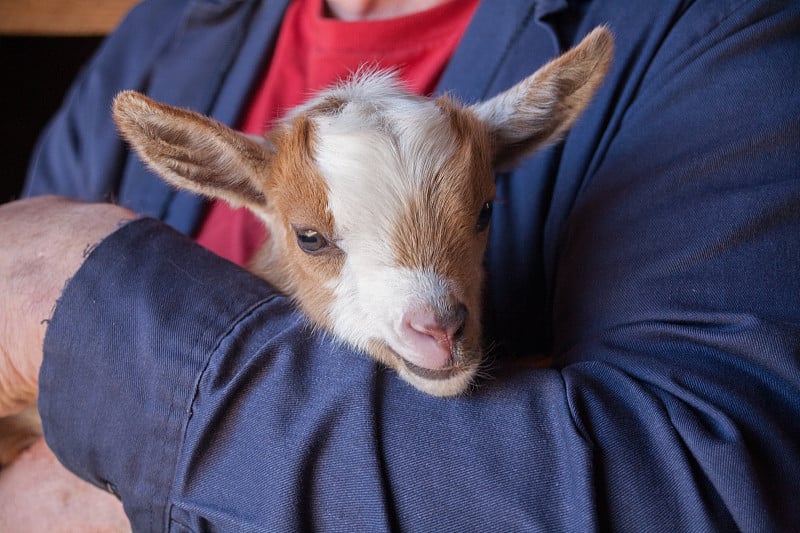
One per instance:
(541, 108)
(193, 152)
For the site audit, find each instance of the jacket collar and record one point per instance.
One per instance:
(500, 47)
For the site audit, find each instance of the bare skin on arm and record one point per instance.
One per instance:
(71, 503)
(50, 237)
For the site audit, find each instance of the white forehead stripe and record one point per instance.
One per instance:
(375, 154)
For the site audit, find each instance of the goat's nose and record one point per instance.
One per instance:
(431, 334)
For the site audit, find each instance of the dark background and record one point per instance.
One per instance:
(37, 71)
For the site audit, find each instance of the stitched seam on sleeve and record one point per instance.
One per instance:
(236, 322)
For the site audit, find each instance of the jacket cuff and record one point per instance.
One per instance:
(115, 390)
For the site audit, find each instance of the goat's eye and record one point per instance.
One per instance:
(311, 241)
(484, 217)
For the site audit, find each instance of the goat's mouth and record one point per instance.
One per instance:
(458, 364)
(449, 380)
(432, 373)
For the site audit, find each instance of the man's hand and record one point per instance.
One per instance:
(43, 242)
(38, 494)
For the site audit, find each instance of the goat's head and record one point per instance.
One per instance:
(378, 201)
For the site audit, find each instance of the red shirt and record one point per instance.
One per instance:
(314, 52)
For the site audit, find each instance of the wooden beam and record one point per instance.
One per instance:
(61, 17)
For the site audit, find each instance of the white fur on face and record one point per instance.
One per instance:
(370, 304)
(374, 154)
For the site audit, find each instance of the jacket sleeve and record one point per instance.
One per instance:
(79, 154)
(206, 401)
(677, 296)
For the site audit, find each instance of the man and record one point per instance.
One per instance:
(653, 253)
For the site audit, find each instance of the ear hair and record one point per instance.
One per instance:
(541, 108)
(193, 152)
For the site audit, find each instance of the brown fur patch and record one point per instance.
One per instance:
(438, 228)
(330, 105)
(298, 196)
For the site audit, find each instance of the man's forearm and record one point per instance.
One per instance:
(44, 242)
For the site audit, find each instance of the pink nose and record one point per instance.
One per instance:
(431, 335)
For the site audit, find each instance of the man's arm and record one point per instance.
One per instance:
(45, 240)
(79, 155)
(206, 398)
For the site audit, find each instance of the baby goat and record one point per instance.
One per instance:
(377, 201)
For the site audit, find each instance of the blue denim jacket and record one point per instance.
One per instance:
(654, 253)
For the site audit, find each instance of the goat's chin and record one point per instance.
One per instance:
(443, 382)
